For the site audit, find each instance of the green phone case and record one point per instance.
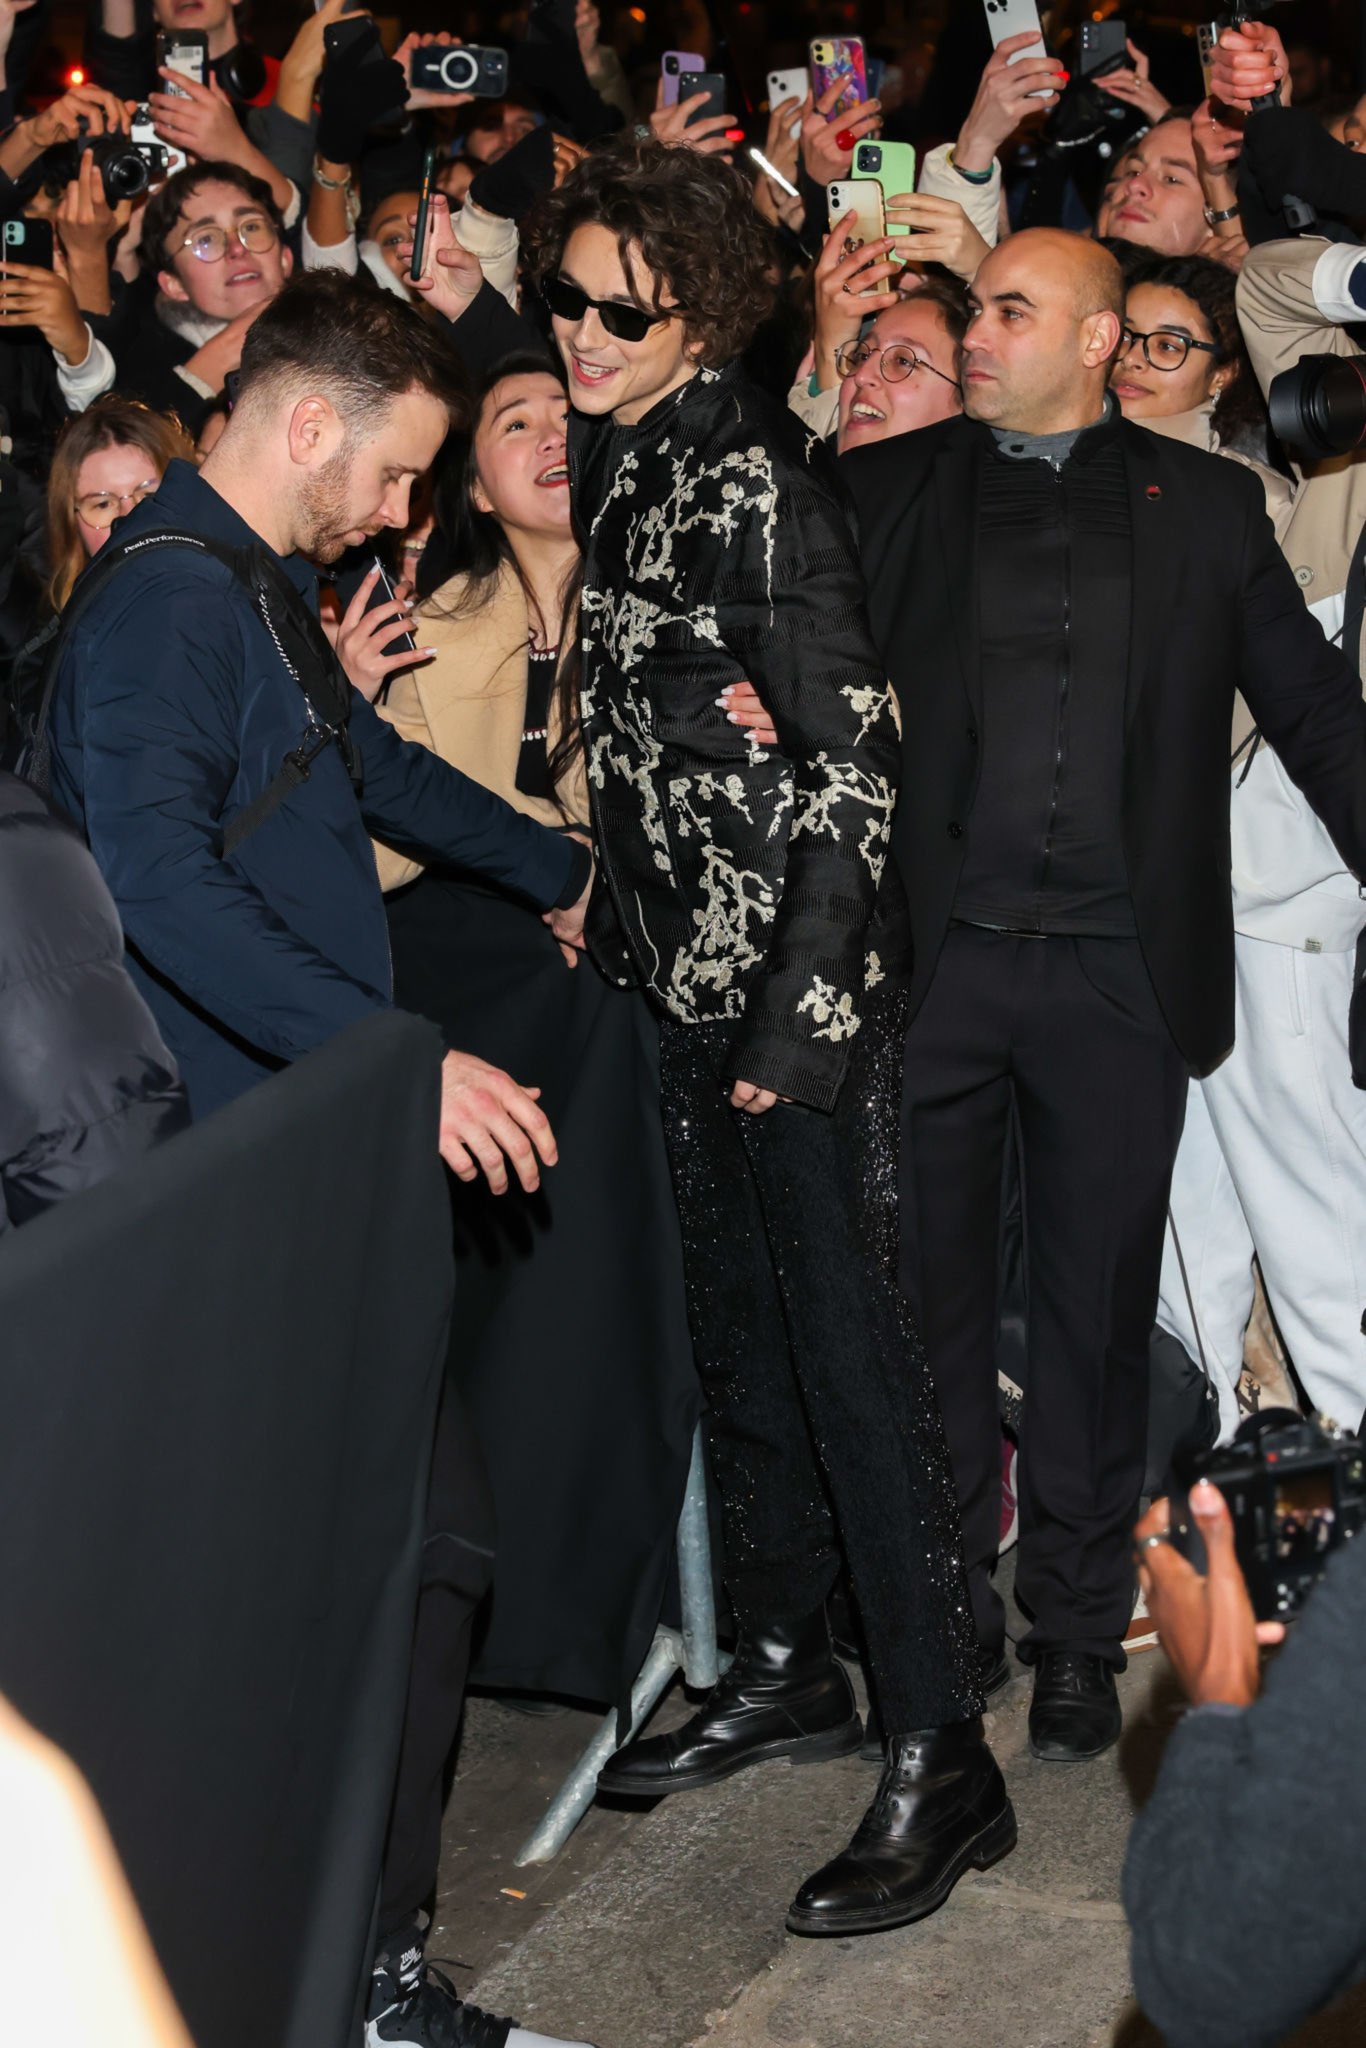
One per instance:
(895, 171)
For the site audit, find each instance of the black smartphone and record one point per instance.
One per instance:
(424, 207)
(707, 85)
(384, 593)
(27, 241)
(350, 32)
(1103, 47)
(476, 68)
(185, 50)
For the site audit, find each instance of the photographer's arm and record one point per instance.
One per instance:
(1294, 298)
(1242, 1878)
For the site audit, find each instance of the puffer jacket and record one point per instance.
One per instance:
(737, 883)
(86, 1084)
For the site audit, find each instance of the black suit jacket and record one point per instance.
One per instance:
(1215, 609)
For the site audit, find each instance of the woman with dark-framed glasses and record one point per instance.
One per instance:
(1181, 367)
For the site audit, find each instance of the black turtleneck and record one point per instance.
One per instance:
(1044, 843)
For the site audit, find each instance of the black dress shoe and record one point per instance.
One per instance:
(784, 1696)
(1075, 1713)
(940, 1809)
(995, 1673)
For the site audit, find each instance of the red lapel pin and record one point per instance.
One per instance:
(1153, 491)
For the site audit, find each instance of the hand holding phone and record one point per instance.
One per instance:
(839, 60)
(707, 86)
(417, 266)
(688, 123)
(372, 639)
(185, 51)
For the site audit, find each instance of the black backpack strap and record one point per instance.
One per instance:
(35, 758)
(298, 638)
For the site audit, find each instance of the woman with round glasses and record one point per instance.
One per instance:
(1182, 370)
(109, 458)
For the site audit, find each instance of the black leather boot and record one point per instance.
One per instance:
(1075, 1714)
(995, 1668)
(784, 1696)
(940, 1809)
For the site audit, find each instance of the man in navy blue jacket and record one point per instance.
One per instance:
(183, 685)
(174, 711)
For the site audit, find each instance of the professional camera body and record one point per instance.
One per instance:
(127, 164)
(1296, 1491)
(1319, 405)
(466, 67)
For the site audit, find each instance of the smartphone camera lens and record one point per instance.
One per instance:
(871, 157)
(671, 66)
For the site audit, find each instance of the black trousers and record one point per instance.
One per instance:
(1069, 1032)
(457, 1568)
(817, 1387)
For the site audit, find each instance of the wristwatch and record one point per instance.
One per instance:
(1215, 216)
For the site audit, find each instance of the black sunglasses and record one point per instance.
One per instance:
(624, 323)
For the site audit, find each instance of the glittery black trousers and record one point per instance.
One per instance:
(822, 1421)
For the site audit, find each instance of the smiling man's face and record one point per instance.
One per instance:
(226, 285)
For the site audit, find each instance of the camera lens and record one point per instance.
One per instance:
(459, 70)
(1320, 404)
(671, 66)
(870, 156)
(123, 168)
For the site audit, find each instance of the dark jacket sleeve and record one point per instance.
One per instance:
(1243, 1878)
(1303, 692)
(86, 1083)
(411, 798)
(123, 65)
(488, 330)
(795, 617)
(160, 757)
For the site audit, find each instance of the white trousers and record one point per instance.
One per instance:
(1273, 1160)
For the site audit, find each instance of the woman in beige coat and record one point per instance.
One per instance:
(570, 1344)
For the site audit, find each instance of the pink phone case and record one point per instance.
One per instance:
(846, 63)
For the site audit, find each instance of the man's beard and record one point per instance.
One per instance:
(323, 510)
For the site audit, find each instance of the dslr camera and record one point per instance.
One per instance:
(1319, 405)
(1296, 1491)
(470, 67)
(128, 164)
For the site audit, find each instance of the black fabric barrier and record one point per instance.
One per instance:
(218, 1378)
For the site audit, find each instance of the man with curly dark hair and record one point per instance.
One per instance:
(750, 891)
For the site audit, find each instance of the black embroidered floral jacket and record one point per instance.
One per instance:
(735, 882)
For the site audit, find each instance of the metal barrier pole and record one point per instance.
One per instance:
(691, 1650)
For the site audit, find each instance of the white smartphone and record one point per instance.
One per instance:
(788, 85)
(861, 197)
(1006, 18)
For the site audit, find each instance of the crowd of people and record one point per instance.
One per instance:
(828, 688)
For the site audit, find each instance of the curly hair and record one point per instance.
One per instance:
(1239, 414)
(693, 221)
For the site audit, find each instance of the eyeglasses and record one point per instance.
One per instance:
(895, 363)
(101, 508)
(1166, 348)
(623, 323)
(254, 231)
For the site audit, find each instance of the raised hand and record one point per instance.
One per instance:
(1006, 96)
